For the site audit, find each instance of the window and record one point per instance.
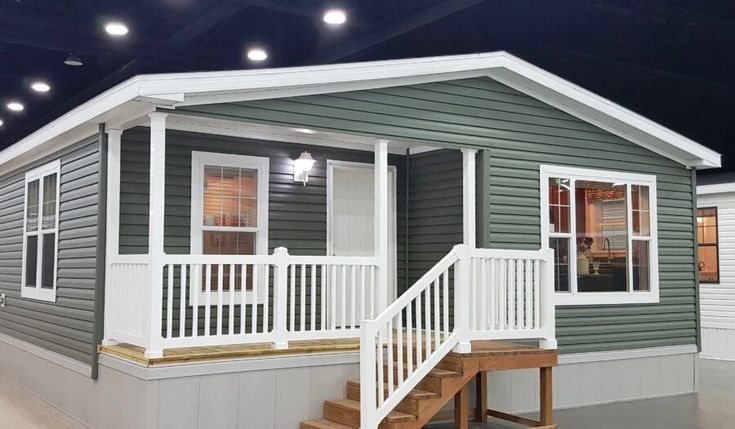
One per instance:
(229, 212)
(709, 259)
(40, 232)
(602, 228)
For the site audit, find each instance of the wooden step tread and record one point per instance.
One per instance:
(413, 394)
(323, 424)
(354, 406)
(435, 372)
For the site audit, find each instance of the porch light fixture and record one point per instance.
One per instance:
(335, 17)
(302, 166)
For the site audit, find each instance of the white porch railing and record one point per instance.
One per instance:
(126, 293)
(238, 299)
(498, 294)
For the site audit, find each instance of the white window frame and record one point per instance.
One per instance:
(261, 164)
(37, 292)
(573, 297)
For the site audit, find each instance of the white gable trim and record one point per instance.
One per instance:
(210, 87)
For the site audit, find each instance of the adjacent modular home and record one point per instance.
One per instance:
(232, 249)
(716, 237)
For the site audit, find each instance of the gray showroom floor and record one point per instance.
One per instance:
(712, 408)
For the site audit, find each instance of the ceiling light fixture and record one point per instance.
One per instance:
(116, 28)
(257, 54)
(15, 106)
(304, 130)
(73, 60)
(1, 122)
(335, 17)
(40, 86)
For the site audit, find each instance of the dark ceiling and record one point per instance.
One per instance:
(672, 61)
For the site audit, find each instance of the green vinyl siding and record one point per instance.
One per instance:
(65, 326)
(519, 133)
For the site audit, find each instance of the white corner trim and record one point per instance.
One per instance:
(565, 359)
(53, 357)
(719, 188)
(224, 86)
(227, 366)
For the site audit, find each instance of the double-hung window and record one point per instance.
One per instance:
(602, 228)
(40, 232)
(709, 259)
(229, 215)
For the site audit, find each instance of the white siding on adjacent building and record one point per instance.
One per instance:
(717, 301)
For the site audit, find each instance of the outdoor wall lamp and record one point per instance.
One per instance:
(302, 166)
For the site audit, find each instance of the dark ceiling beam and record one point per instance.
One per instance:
(390, 30)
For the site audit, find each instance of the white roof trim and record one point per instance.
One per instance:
(719, 188)
(210, 87)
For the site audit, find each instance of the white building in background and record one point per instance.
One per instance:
(716, 237)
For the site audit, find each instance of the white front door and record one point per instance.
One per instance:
(351, 217)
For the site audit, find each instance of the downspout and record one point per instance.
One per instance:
(696, 261)
(100, 255)
(406, 284)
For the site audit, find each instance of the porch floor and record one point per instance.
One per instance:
(230, 351)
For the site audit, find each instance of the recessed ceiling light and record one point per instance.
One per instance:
(116, 28)
(1, 122)
(73, 60)
(335, 17)
(15, 106)
(257, 54)
(304, 130)
(40, 86)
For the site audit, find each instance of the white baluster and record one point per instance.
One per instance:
(302, 307)
(182, 301)
(231, 310)
(208, 302)
(292, 302)
(536, 303)
(196, 279)
(244, 294)
(313, 298)
(170, 301)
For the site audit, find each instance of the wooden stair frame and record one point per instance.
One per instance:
(449, 380)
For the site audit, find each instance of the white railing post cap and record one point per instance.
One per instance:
(280, 251)
(462, 251)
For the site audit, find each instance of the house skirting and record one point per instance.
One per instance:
(718, 343)
(280, 392)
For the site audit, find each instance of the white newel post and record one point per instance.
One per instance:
(381, 223)
(155, 231)
(280, 306)
(113, 216)
(462, 298)
(546, 298)
(469, 222)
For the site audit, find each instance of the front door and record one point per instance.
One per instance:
(351, 218)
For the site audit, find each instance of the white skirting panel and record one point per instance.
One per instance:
(718, 343)
(270, 394)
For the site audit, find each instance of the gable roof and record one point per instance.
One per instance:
(141, 93)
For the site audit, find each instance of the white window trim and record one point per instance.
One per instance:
(592, 298)
(37, 292)
(261, 164)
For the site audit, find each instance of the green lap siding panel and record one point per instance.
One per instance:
(519, 133)
(67, 325)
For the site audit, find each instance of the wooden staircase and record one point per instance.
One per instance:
(435, 390)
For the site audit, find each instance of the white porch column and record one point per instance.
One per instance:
(155, 231)
(381, 223)
(469, 221)
(112, 239)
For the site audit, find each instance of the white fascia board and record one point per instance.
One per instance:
(603, 113)
(719, 188)
(229, 86)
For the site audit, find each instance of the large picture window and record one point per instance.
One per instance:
(229, 214)
(602, 228)
(709, 261)
(40, 232)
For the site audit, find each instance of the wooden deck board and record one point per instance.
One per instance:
(505, 354)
